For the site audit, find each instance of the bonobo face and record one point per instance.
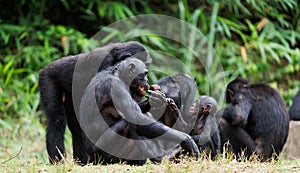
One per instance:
(233, 87)
(139, 85)
(238, 111)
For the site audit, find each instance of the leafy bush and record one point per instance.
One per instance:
(254, 39)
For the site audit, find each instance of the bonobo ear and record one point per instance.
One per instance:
(131, 69)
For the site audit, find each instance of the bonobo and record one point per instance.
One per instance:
(255, 121)
(114, 125)
(55, 86)
(294, 111)
(200, 117)
(182, 89)
(206, 132)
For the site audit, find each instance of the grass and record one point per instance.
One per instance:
(202, 165)
(23, 150)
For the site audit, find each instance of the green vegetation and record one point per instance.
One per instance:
(259, 40)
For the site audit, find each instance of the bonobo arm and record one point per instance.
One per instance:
(237, 137)
(206, 134)
(125, 105)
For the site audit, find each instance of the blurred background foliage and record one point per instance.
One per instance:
(255, 39)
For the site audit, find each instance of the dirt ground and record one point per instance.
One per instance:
(292, 146)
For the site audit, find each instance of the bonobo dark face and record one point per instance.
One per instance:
(238, 111)
(234, 87)
(139, 85)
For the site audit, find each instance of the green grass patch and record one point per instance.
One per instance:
(23, 150)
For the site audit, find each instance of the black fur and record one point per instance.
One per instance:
(294, 111)
(112, 92)
(206, 132)
(256, 119)
(55, 86)
(181, 88)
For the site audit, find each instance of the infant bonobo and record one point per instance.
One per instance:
(113, 122)
(206, 132)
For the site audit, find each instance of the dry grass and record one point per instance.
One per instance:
(202, 165)
(29, 137)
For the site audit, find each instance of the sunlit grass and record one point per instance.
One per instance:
(23, 150)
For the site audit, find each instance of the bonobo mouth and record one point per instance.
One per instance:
(143, 89)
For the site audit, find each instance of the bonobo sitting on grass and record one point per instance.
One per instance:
(255, 120)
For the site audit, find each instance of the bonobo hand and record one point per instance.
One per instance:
(190, 146)
(172, 105)
(157, 98)
(158, 103)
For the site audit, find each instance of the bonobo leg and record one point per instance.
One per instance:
(215, 144)
(238, 138)
(51, 98)
(79, 153)
(122, 150)
(157, 129)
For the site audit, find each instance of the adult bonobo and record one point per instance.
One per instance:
(294, 111)
(114, 125)
(55, 86)
(255, 121)
(202, 123)
(182, 89)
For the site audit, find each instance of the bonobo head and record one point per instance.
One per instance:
(233, 87)
(203, 107)
(240, 102)
(133, 72)
(131, 49)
